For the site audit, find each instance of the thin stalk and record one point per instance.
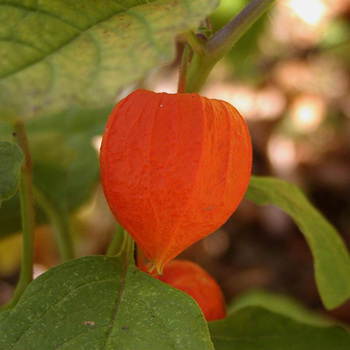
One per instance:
(27, 213)
(128, 248)
(183, 69)
(59, 221)
(124, 249)
(193, 41)
(117, 242)
(222, 42)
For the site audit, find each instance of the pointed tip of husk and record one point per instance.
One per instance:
(156, 269)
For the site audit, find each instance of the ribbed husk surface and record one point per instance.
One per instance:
(174, 168)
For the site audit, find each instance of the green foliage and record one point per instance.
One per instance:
(254, 328)
(280, 304)
(331, 259)
(66, 62)
(11, 159)
(102, 303)
(66, 167)
(57, 53)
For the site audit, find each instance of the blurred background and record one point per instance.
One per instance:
(289, 76)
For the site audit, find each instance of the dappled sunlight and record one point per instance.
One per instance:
(256, 104)
(282, 155)
(96, 143)
(307, 112)
(38, 269)
(311, 12)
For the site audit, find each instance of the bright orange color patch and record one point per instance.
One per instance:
(174, 168)
(196, 282)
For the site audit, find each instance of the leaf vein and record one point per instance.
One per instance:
(37, 10)
(120, 293)
(65, 43)
(56, 303)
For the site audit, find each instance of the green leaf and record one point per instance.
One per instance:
(66, 166)
(254, 328)
(11, 159)
(57, 53)
(331, 258)
(10, 216)
(102, 303)
(280, 304)
(78, 171)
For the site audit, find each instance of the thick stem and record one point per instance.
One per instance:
(225, 38)
(59, 221)
(198, 72)
(222, 42)
(27, 212)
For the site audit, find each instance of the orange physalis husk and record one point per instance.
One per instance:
(174, 168)
(196, 282)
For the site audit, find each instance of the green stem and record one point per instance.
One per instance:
(27, 213)
(225, 38)
(128, 248)
(198, 72)
(222, 42)
(59, 221)
(195, 44)
(117, 242)
(183, 69)
(122, 246)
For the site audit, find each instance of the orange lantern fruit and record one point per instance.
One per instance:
(174, 167)
(189, 277)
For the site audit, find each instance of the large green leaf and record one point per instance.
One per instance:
(102, 303)
(254, 328)
(66, 167)
(331, 258)
(55, 53)
(11, 159)
(280, 304)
